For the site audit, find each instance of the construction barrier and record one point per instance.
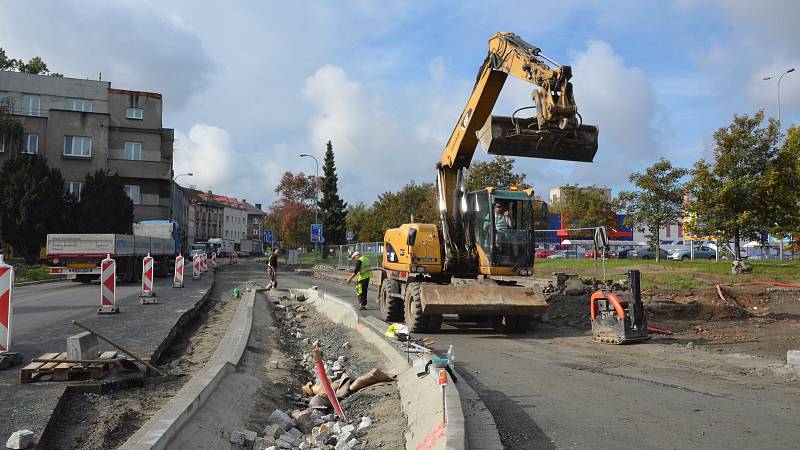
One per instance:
(196, 267)
(148, 294)
(235, 257)
(214, 261)
(177, 281)
(203, 263)
(108, 286)
(6, 307)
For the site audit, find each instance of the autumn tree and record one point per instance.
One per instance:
(332, 208)
(657, 201)
(291, 215)
(749, 187)
(498, 173)
(104, 207)
(585, 207)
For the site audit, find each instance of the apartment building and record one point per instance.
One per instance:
(208, 215)
(255, 228)
(81, 126)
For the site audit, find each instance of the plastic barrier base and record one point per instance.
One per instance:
(150, 300)
(107, 310)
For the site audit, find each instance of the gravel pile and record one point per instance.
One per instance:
(323, 267)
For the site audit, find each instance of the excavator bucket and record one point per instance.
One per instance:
(508, 136)
(481, 298)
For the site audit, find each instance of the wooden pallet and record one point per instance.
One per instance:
(55, 371)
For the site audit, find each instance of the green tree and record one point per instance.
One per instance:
(734, 197)
(35, 65)
(498, 173)
(657, 201)
(104, 207)
(357, 215)
(332, 208)
(781, 185)
(393, 209)
(32, 204)
(6, 63)
(11, 129)
(585, 207)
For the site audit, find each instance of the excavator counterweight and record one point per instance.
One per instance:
(510, 136)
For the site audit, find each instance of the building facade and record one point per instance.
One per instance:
(81, 126)
(208, 216)
(255, 228)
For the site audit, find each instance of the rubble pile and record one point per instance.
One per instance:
(310, 422)
(323, 268)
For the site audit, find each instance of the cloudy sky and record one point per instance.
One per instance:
(249, 85)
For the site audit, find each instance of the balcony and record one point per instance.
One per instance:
(157, 170)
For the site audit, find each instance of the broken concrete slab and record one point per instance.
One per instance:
(282, 419)
(82, 346)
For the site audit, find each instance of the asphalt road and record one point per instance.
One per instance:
(553, 388)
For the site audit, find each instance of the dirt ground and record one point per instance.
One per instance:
(93, 421)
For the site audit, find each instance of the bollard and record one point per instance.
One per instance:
(443, 384)
(196, 267)
(214, 261)
(6, 307)
(177, 281)
(108, 286)
(148, 295)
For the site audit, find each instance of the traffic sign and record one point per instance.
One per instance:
(350, 235)
(316, 232)
(268, 236)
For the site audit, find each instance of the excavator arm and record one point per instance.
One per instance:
(556, 132)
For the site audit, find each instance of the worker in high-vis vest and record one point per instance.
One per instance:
(361, 272)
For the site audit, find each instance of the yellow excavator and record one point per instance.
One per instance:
(451, 267)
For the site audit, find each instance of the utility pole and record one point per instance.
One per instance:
(316, 196)
(779, 93)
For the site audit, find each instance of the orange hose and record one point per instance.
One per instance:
(769, 283)
(326, 383)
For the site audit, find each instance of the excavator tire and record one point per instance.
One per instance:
(391, 307)
(511, 324)
(415, 320)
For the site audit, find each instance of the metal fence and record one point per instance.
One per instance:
(338, 256)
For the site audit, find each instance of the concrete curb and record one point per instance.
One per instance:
(157, 432)
(424, 417)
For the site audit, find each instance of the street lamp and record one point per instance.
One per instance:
(779, 93)
(316, 194)
(189, 174)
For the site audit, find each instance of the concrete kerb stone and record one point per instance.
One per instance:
(421, 402)
(165, 424)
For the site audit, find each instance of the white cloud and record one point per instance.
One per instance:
(207, 153)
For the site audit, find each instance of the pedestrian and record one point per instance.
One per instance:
(362, 272)
(272, 268)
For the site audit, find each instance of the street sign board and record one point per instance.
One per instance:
(316, 232)
(268, 236)
(350, 235)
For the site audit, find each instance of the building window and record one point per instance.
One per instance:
(77, 104)
(226, 233)
(74, 188)
(255, 232)
(255, 220)
(135, 113)
(2, 143)
(133, 151)
(4, 97)
(77, 146)
(133, 192)
(31, 144)
(30, 105)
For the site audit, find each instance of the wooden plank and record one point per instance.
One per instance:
(36, 365)
(31, 372)
(108, 355)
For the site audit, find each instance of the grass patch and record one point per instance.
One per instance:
(673, 274)
(32, 273)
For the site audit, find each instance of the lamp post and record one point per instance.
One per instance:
(779, 93)
(316, 194)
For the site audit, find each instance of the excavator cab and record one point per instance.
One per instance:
(503, 223)
(516, 136)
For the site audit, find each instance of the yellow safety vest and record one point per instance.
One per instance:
(366, 270)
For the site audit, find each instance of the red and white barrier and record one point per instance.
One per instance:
(148, 293)
(235, 258)
(196, 267)
(6, 306)
(108, 286)
(203, 263)
(214, 261)
(177, 281)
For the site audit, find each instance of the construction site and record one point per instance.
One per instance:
(472, 312)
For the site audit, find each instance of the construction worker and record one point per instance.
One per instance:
(362, 271)
(272, 268)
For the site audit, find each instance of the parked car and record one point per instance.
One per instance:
(702, 252)
(559, 255)
(590, 254)
(244, 253)
(646, 253)
(543, 253)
